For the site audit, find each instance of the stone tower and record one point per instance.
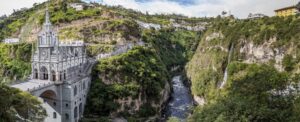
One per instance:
(66, 66)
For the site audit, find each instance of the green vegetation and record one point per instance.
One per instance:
(260, 30)
(120, 28)
(16, 106)
(12, 24)
(15, 61)
(140, 75)
(137, 72)
(93, 50)
(59, 16)
(248, 94)
(174, 47)
(254, 93)
(289, 62)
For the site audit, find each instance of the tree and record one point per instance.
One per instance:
(288, 62)
(298, 6)
(224, 13)
(19, 106)
(64, 5)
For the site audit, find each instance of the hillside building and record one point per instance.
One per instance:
(77, 6)
(11, 41)
(286, 11)
(256, 16)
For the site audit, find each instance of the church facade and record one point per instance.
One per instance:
(66, 66)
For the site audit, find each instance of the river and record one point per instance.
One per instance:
(181, 100)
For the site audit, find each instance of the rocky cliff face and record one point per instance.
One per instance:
(262, 53)
(267, 45)
(211, 57)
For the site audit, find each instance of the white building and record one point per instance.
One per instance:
(77, 6)
(11, 41)
(255, 16)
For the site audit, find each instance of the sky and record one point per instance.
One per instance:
(191, 8)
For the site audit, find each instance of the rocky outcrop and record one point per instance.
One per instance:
(262, 53)
(199, 100)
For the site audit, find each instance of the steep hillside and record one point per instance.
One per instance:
(135, 83)
(15, 61)
(238, 70)
(104, 29)
(131, 84)
(243, 68)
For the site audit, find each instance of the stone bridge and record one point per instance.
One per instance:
(60, 99)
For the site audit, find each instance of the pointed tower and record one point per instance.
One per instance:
(47, 37)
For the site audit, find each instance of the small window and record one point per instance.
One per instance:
(67, 116)
(54, 114)
(83, 85)
(67, 105)
(75, 91)
(54, 103)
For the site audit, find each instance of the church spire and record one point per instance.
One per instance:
(47, 23)
(47, 36)
(47, 18)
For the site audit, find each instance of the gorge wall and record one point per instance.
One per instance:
(265, 59)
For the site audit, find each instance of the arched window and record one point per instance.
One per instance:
(60, 76)
(80, 108)
(65, 77)
(76, 53)
(67, 116)
(54, 114)
(44, 73)
(80, 67)
(75, 112)
(53, 75)
(36, 75)
(83, 85)
(75, 90)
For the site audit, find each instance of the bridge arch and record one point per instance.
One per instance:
(48, 94)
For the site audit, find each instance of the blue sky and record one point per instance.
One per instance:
(196, 8)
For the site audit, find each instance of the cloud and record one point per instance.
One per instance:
(7, 6)
(196, 8)
(201, 8)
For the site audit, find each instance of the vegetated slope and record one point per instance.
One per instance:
(15, 61)
(262, 72)
(133, 85)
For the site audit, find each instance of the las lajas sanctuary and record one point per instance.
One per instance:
(60, 76)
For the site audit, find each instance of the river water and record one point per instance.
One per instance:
(181, 100)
